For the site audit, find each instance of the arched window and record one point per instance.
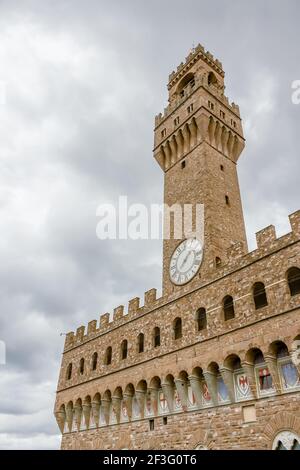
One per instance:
(141, 340)
(156, 337)
(108, 356)
(212, 78)
(177, 326)
(293, 277)
(201, 319)
(286, 440)
(187, 81)
(228, 308)
(94, 361)
(124, 349)
(259, 295)
(81, 366)
(69, 371)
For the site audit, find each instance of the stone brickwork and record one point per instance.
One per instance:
(160, 376)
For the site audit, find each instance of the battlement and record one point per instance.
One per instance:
(196, 53)
(134, 308)
(237, 257)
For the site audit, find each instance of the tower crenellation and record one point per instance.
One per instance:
(237, 257)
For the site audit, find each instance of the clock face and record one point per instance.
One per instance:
(186, 261)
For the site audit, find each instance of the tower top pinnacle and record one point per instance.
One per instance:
(195, 54)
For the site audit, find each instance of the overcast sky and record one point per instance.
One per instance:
(82, 81)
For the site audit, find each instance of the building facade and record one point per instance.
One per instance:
(214, 363)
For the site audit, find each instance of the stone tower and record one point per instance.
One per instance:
(197, 143)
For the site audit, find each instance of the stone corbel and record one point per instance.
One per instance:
(153, 397)
(116, 406)
(196, 387)
(127, 398)
(105, 407)
(211, 381)
(78, 416)
(96, 412)
(168, 391)
(60, 417)
(69, 418)
(271, 362)
(227, 376)
(86, 408)
(202, 124)
(250, 373)
(181, 387)
(140, 396)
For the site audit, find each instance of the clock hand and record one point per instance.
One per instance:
(186, 258)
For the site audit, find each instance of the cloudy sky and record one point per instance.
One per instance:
(80, 83)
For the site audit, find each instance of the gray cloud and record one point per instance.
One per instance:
(83, 83)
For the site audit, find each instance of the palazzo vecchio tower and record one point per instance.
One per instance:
(213, 363)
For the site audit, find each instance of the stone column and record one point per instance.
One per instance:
(250, 373)
(127, 398)
(60, 417)
(196, 387)
(86, 408)
(227, 376)
(105, 407)
(153, 397)
(96, 412)
(271, 362)
(181, 387)
(116, 406)
(168, 391)
(140, 396)
(211, 381)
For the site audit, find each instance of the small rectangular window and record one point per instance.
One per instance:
(165, 420)
(222, 114)
(183, 164)
(211, 105)
(190, 108)
(151, 424)
(163, 132)
(176, 121)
